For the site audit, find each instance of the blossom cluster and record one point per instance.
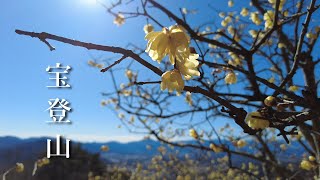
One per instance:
(173, 42)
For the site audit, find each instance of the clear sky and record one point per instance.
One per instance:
(23, 79)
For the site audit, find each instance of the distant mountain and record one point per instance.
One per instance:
(13, 149)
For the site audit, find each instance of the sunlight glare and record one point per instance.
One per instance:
(89, 2)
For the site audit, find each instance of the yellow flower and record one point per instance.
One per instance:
(19, 167)
(104, 148)
(237, 59)
(91, 63)
(126, 92)
(131, 119)
(268, 17)
(269, 101)
(148, 28)
(273, 2)
(230, 78)
(188, 98)
(172, 80)
(241, 143)
(256, 123)
(298, 4)
(184, 10)
(193, 133)
(187, 177)
(310, 35)
(231, 30)
(281, 45)
(253, 33)
(119, 19)
(244, 12)
(230, 3)
(215, 148)
(129, 74)
(42, 162)
(254, 16)
(179, 177)
(228, 19)
(121, 115)
(306, 165)
(235, 62)
(293, 88)
(170, 42)
(188, 67)
(311, 158)
(103, 103)
(212, 46)
(100, 66)
(283, 147)
(222, 14)
(271, 80)
(224, 23)
(45, 161)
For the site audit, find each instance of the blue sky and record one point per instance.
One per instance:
(23, 80)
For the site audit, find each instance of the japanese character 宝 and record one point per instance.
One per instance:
(60, 79)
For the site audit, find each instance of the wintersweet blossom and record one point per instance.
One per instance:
(311, 35)
(179, 177)
(188, 67)
(148, 28)
(222, 14)
(244, 12)
(103, 103)
(230, 78)
(169, 42)
(104, 148)
(215, 148)
(188, 98)
(271, 80)
(129, 74)
(293, 88)
(230, 3)
(241, 143)
(255, 122)
(172, 80)
(253, 33)
(193, 133)
(268, 17)
(311, 158)
(254, 16)
(42, 162)
(231, 30)
(238, 59)
(119, 19)
(19, 167)
(283, 147)
(273, 2)
(281, 45)
(306, 165)
(269, 101)
(226, 21)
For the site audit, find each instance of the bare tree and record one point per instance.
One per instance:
(257, 67)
